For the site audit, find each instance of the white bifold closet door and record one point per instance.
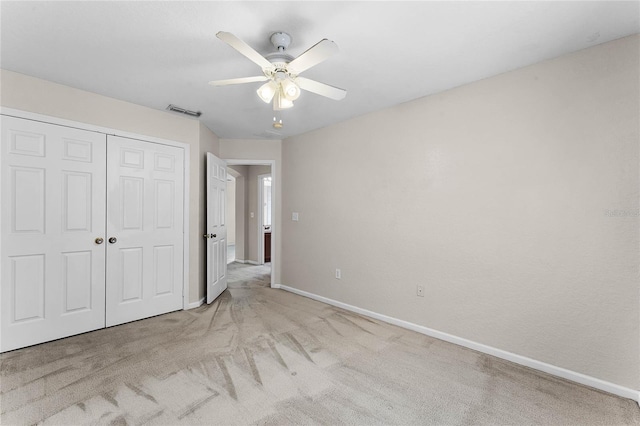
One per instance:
(144, 229)
(53, 210)
(91, 231)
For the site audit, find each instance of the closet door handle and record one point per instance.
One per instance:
(113, 240)
(99, 240)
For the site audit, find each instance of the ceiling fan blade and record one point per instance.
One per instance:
(313, 56)
(244, 49)
(321, 88)
(238, 81)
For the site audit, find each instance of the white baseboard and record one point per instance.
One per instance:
(194, 305)
(250, 262)
(518, 359)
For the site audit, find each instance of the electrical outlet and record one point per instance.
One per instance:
(420, 291)
(338, 274)
(294, 216)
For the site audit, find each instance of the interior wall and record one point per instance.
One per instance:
(39, 96)
(512, 200)
(32, 94)
(231, 212)
(260, 149)
(252, 198)
(241, 211)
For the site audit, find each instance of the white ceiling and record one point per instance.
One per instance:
(157, 53)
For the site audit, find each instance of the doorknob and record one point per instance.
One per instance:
(113, 240)
(209, 235)
(99, 240)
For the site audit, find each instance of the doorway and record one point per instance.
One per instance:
(250, 216)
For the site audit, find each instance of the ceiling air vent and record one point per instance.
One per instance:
(184, 111)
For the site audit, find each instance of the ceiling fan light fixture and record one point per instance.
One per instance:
(267, 91)
(280, 102)
(290, 90)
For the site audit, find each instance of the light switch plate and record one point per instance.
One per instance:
(294, 216)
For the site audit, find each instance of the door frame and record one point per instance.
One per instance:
(260, 218)
(275, 232)
(11, 112)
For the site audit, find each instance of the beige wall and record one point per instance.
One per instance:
(258, 149)
(240, 174)
(494, 197)
(31, 94)
(252, 200)
(231, 212)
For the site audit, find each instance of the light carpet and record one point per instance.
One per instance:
(264, 356)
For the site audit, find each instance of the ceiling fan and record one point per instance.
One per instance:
(281, 70)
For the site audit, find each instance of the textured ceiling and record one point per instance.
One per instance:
(157, 53)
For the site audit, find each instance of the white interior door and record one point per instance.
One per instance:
(52, 225)
(216, 227)
(145, 199)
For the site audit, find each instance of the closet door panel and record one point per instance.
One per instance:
(53, 181)
(145, 198)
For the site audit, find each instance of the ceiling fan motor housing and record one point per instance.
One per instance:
(279, 59)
